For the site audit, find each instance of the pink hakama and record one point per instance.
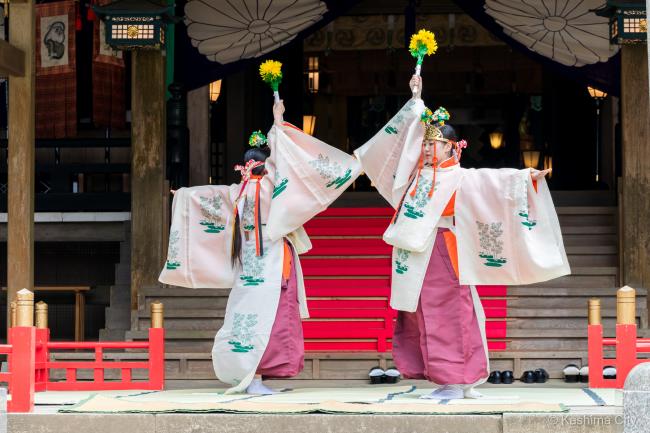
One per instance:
(441, 341)
(285, 354)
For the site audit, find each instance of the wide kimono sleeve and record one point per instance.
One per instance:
(390, 157)
(308, 176)
(200, 238)
(507, 229)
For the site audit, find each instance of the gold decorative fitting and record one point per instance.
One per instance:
(24, 308)
(594, 311)
(41, 315)
(156, 314)
(626, 306)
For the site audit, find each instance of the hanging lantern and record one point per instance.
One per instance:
(596, 93)
(531, 158)
(308, 124)
(628, 22)
(135, 24)
(215, 90)
(496, 139)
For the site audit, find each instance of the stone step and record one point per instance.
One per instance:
(118, 317)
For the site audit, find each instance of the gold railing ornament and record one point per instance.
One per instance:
(41, 315)
(594, 311)
(12, 314)
(625, 306)
(24, 308)
(156, 314)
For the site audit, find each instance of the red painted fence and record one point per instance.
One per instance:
(28, 351)
(628, 348)
(347, 278)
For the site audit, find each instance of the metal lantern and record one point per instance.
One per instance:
(628, 22)
(135, 24)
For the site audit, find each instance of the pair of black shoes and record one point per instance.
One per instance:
(498, 377)
(377, 375)
(506, 377)
(538, 376)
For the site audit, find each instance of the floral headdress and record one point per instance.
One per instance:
(257, 139)
(433, 122)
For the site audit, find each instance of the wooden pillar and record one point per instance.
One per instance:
(236, 124)
(20, 196)
(198, 122)
(635, 123)
(147, 169)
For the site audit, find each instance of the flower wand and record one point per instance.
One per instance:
(271, 73)
(422, 43)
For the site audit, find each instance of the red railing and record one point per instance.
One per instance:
(20, 350)
(627, 349)
(155, 365)
(28, 351)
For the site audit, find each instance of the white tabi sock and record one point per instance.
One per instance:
(258, 388)
(470, 392)
(447, 392)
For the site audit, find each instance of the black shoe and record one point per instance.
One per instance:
(495, 377)
(376, 375)
(584, 374)
(609, 372)
(528, 377)
(541, 375)
(392, 375)
(507, 377)
(571, 373)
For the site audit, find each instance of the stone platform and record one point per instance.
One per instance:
(603, 416)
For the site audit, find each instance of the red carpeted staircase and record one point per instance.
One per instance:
(347, 277)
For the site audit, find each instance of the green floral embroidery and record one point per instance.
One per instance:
(172, 254)
(415, 206)
(242, 332)
(521, 197)
(397, 121)
(491, 245)
(211, 211)
(400, 261)
(281, 186)
(248, 215)
(331, 171)
(253, 268)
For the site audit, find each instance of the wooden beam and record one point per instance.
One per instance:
(147, 169)
(12, 60)
(21, 154)
(635, 123)
(198, 122)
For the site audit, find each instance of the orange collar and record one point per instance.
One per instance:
(256, 176)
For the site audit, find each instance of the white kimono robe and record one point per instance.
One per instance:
(507, 233)
(304, 176)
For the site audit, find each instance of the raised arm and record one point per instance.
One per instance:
(416, 86)
(278, 112)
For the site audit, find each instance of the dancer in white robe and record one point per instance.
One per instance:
(453, 229)
(247, 237)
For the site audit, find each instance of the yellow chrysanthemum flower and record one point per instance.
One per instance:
(423, 42)
(271, 70)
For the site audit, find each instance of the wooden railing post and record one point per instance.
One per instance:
(157, 348)
(625, 333)
(595, 345)
(22, 338)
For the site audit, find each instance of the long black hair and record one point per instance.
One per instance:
(256, 154)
